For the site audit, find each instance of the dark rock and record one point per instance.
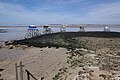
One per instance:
(118, 53)
(67, 40)
(7, 42)
(1, 69)
(42, 78)
(102, 75)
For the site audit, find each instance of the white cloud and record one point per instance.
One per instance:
(107, 13)
(106, 10)
(66, 2)
(9, 7)
(18, 14)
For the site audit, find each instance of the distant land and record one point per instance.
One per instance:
(70, 25)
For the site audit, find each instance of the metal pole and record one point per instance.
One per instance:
(16, 71)
(21, 71)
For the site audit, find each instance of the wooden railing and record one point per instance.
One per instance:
(29, 75)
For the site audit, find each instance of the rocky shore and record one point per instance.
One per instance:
(69, 39)
(61, 56)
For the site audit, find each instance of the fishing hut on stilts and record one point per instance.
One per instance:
(81, 29)
(32, 31)
(107, 29)
(47, 30)
(63, 29)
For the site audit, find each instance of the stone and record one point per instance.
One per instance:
(1, 69)
(11, 46)
(118, 53)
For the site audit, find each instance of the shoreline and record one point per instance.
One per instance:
(65, 40)
(52, 61)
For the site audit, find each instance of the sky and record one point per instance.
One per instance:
(25, 12)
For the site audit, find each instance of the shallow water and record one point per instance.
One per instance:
(14, 33)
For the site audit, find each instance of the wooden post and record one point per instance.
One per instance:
(28, 77)
(21, 71)
(29, 74)
(16, 71)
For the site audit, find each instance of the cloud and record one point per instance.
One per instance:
(66, 2)
(11, 13)
(106, 10)
(17, 14)
(10, 9)
(105, 13)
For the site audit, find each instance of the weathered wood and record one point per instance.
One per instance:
(21, 71)
(28, 77)
(16, 71)
(29, 74)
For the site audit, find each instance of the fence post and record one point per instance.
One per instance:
(16, 71)
(21, 71)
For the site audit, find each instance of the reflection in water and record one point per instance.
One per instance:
(3, 30)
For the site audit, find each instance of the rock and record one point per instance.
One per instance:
(8, 42)
(118, 53)
(42, 78)
(91, 71)
(81, 65)
(102, 75)
(24, 47)
(82, 49)
(11, 46)
(91, 74)
(18, 45)
(1, 69)
(32, 46)
(86, 68)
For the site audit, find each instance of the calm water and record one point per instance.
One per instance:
(19, 32)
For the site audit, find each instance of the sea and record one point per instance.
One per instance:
(17, 33)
